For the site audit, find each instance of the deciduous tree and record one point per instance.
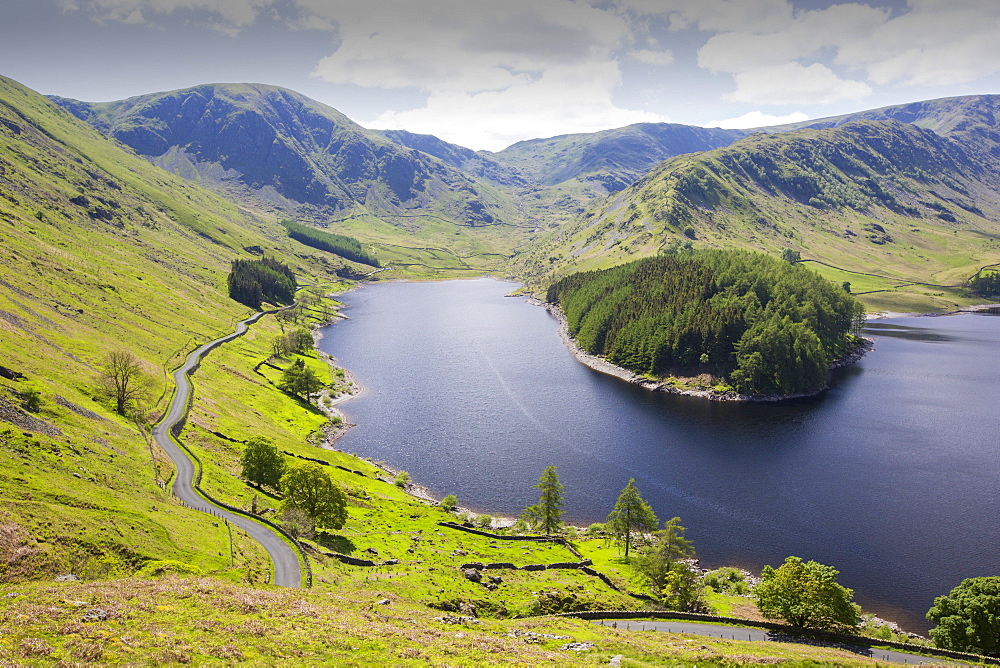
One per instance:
(806, 594)
(310, 488)
(546, 513)
(124, 381)
(263, 463)
(630, 516)
(968, 618)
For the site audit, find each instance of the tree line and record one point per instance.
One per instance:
(338, 244)
(766, 325)
(253, 282)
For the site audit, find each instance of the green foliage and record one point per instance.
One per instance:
(790, 255)
(806, 594)
(310, 489)
(252, 282)
(772, 327)
(338, 244)
(263, 463)
(667, 567)
(968, 618)
(726, 580)
(449, 503)
(31, 399)
(986, 284)
(630, 518)
(402, 478)
(546, 513)
(300, 380)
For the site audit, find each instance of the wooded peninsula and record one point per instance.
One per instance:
(760, 324)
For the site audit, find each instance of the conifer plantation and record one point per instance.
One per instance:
(768, 326)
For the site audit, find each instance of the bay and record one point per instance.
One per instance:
(889, 476)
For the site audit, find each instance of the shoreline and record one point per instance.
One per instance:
(602, 365)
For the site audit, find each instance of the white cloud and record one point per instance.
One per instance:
(757, 119)
(495, 73)
(563, 100)
(934, 43)
(651, 57)
(233, 15)
(792, 83)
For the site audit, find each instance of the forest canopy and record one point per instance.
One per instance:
(338, 244)
(768, 326)
(253, 282)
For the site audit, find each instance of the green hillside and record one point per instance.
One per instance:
(875, 197)
(285, 155)
(104, 252)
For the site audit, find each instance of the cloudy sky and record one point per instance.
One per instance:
(487, 73)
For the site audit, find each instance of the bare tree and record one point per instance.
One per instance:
(124, 380)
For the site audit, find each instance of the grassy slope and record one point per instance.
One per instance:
(139, 265)
(931, 197)
(87, 500)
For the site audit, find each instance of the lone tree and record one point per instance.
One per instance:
(310, 488)
(968, 618)
(546, 513)
(667, 566)
(124, 381)
(263, 463)
(806, 594)
(630, 516)
(300, 380)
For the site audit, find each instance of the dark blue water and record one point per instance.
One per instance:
(891, 476)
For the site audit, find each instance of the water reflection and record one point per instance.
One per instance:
(910, 333)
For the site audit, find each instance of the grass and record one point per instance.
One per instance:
(173, 620)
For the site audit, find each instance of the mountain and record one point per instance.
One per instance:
(286, 152)
(612, 159)
(286, 155)
(914, 204)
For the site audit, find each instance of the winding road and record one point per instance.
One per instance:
(287, 572)
(764, 635)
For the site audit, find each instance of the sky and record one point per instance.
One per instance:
(487, 73)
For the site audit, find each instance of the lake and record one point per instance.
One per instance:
(890, 476)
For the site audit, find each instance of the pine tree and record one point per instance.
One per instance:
(630, 515)
(546, 513)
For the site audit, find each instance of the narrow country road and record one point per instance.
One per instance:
(283, 556)
(764, 635)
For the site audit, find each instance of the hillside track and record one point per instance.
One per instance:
(287, 571)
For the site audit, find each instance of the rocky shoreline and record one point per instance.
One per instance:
(604, 366)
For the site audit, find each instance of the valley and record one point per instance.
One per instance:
(121, 223)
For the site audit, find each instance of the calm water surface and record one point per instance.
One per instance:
(890, 476)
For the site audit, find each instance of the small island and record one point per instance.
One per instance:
(724, 325)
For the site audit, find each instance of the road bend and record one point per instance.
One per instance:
(287, 572)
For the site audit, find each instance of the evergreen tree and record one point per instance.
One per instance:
(546, 513)
(666, 565)
(630, 516)
(300, 380)
(263, 463)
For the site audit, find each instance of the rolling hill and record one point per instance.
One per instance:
(869, 196)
